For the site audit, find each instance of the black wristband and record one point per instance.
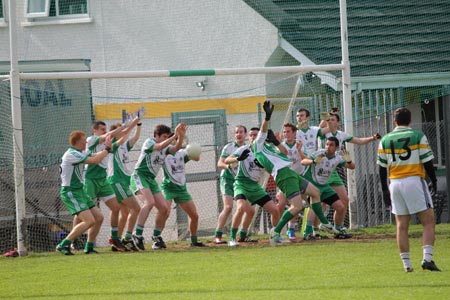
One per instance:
(139, 124)
(108, 149)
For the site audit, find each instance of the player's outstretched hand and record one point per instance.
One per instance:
(376, 136)
(271, 137)
(244, 155)
(268, 109)
(318, 159)
(346, 156)
(325, 116)
(141, 112)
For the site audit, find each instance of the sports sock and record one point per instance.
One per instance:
(283, 221)
(88, 246)
(194, 239)
(128, 235)
(406, 260)
(139, 230)
(233, 233)
(114, 233)
(65, 242)
(242, 234)
(427, 252)
(317, 208)
(308, 228)
(218, 232)
(157, 232)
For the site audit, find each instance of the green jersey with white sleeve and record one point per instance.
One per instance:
(93, 145)
(294, 156)
(321, 172)
(227, 150)
(72, 169)
(309, 138)
(119, 168)
(174, 168)
(248, 169)
(269, 156)
(150, 161)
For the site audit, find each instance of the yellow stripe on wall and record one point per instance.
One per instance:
(164, 109)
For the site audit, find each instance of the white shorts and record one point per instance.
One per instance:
(409, 195)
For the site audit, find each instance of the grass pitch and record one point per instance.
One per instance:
(367, 266)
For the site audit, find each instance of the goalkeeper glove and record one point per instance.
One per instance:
(268, 110)
(387, 198)
(141, 112)
(432, 186)
(244, 155)
(318, 159)
(346, 156)
(271, 138)
(324, 116)
(376, 136)
(301, 124)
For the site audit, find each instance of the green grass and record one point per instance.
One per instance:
(356, 269)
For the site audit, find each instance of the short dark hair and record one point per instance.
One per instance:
(161, 129)
(290, 125)
(402, 116)
(254, 128)
(241, 126)
(97, 124)
(333, 139)
(305, 110)
(336, 115)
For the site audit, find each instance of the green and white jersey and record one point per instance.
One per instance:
(269, 156)
(309, 138)
(342, 137)
(72, 169)
(119, 167)
(227, 150)
(248, 169)
(93, 145)
(150, 161)
(174, 168)
(319, 173)
(294, 156)
(404, 151)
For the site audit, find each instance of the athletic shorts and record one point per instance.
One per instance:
(139, 182)
(327, 194)
(99, 188)
(76, 201)
(290, 183)
(177, 193)
(335, 179)
(409, 195)
(122, 190)
(252, 192)
(226, 186)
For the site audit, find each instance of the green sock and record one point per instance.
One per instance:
(308, 228)
(88, 246)
(283, 221)
(156, 232)
(242, 234)
(317, 208)
(65, 242)
(128, 235)
(114, 233)
(139, 230)
(194, 239)
(233, 233)
(316, 229)
(218, 233)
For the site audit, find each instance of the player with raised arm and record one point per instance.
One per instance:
(226, 186)
(289, 182)
(73, 194)
(119, 175)
(247, 187)
(320, 165)
(97, 185)
(405, 152)
(144, 185)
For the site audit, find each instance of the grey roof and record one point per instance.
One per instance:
(385, 37)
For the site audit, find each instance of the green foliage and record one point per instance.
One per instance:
(334, 269)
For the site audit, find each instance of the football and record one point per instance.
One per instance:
(193, 150)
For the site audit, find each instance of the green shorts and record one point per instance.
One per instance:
(76, 201)
(326, 192)
(139, 182)
(335, 179)
(177, 193)
(226, 186)
(290, 183)
(98, 188)
(252, 192)
(122, 190)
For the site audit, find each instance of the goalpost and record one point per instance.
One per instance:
(47, 94)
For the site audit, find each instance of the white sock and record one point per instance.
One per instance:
(406, 260)
(427, 252)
